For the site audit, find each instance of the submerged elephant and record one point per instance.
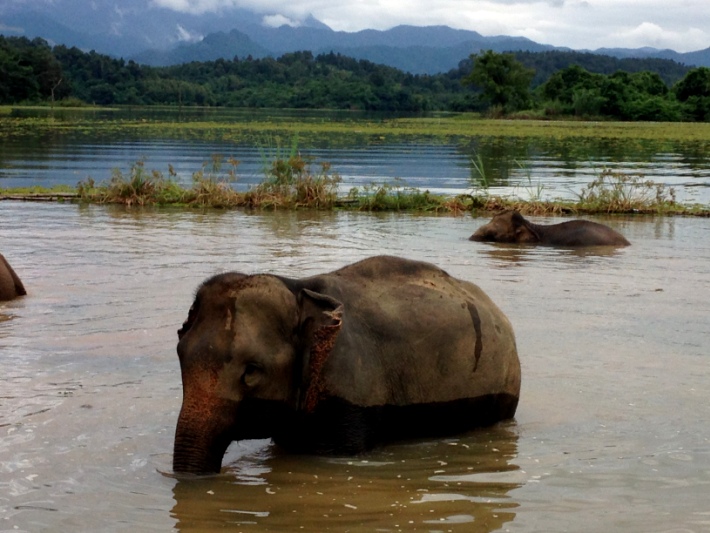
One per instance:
(511, 227)
(10, 285)
(383, 349)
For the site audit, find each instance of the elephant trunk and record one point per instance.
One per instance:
(200, 443)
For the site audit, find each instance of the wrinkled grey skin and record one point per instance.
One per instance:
(511, 227)
(383, 349)
(10, 285)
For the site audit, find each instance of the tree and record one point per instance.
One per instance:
(504, 80)
(28, 70)
(694, 92)
(564, 86)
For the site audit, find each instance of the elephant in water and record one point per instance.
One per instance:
(383, 349)
(511, 227)
(10, 285)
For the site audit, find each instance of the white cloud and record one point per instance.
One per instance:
(11, 29)
(682, 25)
(186, 36)
(650, 34)
(276, 21)
(190, 6)
(646, 32)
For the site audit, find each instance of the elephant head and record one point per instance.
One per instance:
(250, 352)
(507, 227)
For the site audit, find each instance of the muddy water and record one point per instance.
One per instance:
(612, 432)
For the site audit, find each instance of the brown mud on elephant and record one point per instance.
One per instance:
(381, 350)
(10, 285)
(511, 227)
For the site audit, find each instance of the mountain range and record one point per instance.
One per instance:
(152, 35)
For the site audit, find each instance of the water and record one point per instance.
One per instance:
(544, 168)
(611, 433)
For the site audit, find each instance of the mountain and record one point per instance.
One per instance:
(213, 46)
(121, 28)
(700, 58)
(399, 47)
(153, 35)
(419, 59)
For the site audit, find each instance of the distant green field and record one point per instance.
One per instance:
(83, 121)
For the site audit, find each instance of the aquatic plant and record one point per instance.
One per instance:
(616, 192)
(479, 176)
(533, 190)
(212, 185)
(397, 196)
(139, 187)
(293, 184)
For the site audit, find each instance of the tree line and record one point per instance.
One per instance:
(543, 84)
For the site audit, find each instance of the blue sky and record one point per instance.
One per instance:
(681, 25)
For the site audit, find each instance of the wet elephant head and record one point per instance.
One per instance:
(506, 227)
(240, 357)
(10, 285)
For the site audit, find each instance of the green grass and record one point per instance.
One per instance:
(398, 197)
(445, 126)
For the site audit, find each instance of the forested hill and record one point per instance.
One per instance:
(31, 71)
(546, 64)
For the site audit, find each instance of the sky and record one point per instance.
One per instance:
(681, 25)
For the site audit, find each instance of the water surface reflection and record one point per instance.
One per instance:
(458, 484)
(611, 429)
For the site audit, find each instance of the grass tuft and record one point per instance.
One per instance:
(615, 192)
(291, 183)
(398, 196)
(139, 187)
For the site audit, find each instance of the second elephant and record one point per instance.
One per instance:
(511, 227)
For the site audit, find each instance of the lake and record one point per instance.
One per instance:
(611, 433)
(528, 167)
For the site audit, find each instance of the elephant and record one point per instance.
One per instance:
(383, 349)
(10, 284)
(510, 227)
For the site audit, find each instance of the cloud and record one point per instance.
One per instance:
(257, 6)
(196, 7)
(186, 36)
(577, 24)
(650, 34)
(276, 21)
(11, 29)
(646, 32)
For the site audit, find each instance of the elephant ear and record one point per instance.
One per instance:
(320, 320)
(524, 232)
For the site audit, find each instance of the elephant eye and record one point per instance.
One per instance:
(252, 374)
